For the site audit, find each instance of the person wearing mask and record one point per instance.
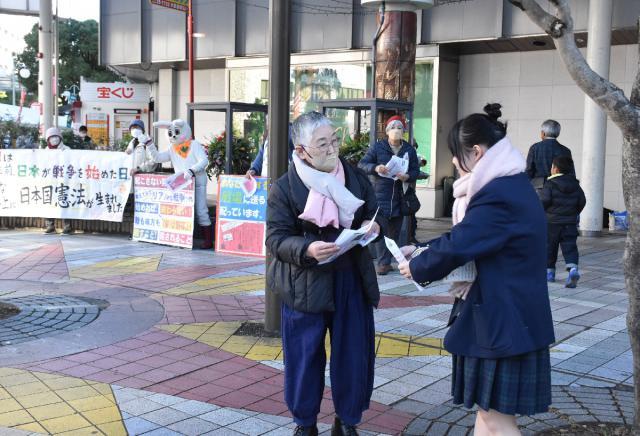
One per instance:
(563, 199)
(143, 161)
(501, 328)
(55, 144)
(389, 191)
(85, 140)
(541, 154)
(308, 207)
(260, 163)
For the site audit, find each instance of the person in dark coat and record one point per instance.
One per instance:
(500, 332)
(307, 208)
(563, 200)
(389, 190)
(541, 154)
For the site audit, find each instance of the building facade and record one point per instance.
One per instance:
(468, 54)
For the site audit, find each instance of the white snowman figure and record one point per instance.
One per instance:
(189, 160)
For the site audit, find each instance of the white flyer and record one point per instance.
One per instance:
(464, 273)
(397, 165)
(397, 254)
(350, 238)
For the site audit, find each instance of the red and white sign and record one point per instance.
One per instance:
(114, 92)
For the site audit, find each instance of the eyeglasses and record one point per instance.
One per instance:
(324, 147)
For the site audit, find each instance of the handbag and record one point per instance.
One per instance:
(409, 203)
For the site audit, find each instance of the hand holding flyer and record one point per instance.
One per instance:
(350, 238)
(398, 256)
(395, 166)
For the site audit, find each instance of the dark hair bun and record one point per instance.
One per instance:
(493, 110)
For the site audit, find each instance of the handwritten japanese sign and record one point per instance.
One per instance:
(162, 216)
(78, 184)
(241, 224)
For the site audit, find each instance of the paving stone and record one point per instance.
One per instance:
(418, 426)
(457, 430)
(136, 426)
(193, 426)
(438, 429)
(453, 416)
(223, 417)
(252, 426)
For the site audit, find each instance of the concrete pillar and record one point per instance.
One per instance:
(45, 88)
(595, 120)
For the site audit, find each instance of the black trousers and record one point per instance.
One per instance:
(565, 237)
(394, 225)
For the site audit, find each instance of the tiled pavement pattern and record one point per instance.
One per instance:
(42, 316)
(194, 374)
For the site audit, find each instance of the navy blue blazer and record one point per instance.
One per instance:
(507, 311)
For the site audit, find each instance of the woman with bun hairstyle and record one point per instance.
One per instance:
(501, 325)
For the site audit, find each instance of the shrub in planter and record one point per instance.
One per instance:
(243, 153)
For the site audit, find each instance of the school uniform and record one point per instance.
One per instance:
(501, 333)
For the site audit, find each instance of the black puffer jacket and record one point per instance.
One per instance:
(302, 284)
(563, 199)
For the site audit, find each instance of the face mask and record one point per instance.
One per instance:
(136, 132)
(395, 134)
(83, 135)
(323, 162)
(55, 141)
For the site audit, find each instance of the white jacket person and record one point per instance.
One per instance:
(189, 159)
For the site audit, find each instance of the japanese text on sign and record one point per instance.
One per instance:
(90, 185)
(241, 223)
(162, 216)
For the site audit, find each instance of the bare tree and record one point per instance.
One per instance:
(625, 113)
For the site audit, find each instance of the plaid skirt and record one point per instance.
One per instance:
(517, 385)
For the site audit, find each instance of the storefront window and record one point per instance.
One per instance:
(422, 112)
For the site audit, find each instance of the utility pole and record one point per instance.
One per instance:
(190, 48)
(279, 63)
(45, 91)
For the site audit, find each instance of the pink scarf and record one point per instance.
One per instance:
(501, 160)
(322, 210)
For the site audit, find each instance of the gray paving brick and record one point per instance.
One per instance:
(193, 426)
(438, 429)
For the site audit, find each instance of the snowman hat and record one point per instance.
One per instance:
(393, 121)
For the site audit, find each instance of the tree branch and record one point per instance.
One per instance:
(608, 96)
(547, 22)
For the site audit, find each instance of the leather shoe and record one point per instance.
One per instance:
(339, 428)
(305, 431)
(383, 270)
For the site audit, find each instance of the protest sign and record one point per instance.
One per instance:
(162, 215)
(241, 219)
(77, 184)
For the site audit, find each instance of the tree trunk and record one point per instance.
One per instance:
(631, 188)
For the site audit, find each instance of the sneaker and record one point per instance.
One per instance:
(305, 431)
(50, 230)
(551, 275)
(339, 428)
(572, 279)
(67, 230)
(383, 270)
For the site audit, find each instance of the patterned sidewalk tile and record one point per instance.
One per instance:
(198, 309)
(46, 263)
(117, 267)
(220, 286)
(47, 403)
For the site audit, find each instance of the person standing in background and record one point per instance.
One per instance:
(541, 154)
(389, 191)
(55, 144)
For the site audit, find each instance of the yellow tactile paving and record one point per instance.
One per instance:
(220, 286)
(117, 267)
(221, 335)
(53, 404)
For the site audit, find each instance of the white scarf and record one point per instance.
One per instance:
(327, 185)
